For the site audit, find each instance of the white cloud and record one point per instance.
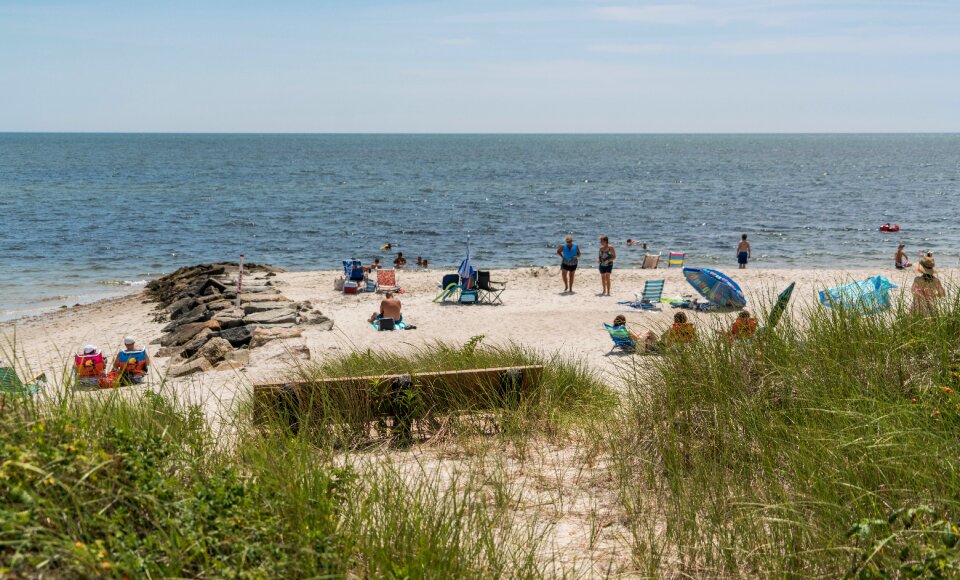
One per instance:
(627, 48)
(693, 14)
(462, 41)
(870, 45)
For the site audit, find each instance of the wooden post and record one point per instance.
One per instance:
(240, 281)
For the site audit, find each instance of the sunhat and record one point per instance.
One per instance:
(569, 238)
(89, 349)
(927, 265)
(129, 340)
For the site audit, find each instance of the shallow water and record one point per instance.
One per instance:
(85, 214)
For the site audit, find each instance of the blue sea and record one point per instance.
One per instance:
(85, 216)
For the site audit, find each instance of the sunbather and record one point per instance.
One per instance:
(744, 326)
(132, 363)
(645, 341)
(389, 308)
(681, 331)
(89, 366)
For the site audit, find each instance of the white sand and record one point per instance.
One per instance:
(535, 313)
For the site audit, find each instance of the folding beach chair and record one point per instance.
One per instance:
(449, 286)
(652, 293)
(621, 338)
(387, 281)
(89, 369)
(675, 259)
(650, 262)
(353, 270)
(10, 383)
(488, 291)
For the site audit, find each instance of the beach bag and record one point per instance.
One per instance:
(338, 284)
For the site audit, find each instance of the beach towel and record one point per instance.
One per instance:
(402, 325)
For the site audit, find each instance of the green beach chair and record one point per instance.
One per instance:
(10, 383)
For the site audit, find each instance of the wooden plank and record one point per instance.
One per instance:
(372, 395)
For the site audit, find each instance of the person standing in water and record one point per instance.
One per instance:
(569, 256)
(605, 259)
(743, 252)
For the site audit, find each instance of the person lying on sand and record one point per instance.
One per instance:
(389, 308)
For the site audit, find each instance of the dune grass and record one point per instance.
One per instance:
(787, 454)
(567, 394)
(136, 486)
(131, 483)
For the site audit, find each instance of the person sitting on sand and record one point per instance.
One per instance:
(132, 362)
(681, 331)
(389, 308)
(745, 326)
(376, 265)
(399, 261)
(900, 259)
(926, 288)
(89, 366)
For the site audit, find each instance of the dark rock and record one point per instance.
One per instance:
(181, 307)
(214, 350)
(273, 316)
(198, 314)
(239, 336)
(186, 332)
(254, 307)
(197, 342)
(196, 366)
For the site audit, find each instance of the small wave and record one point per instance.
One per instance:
(122, 282)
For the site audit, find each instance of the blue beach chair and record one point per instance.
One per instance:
(621, 338)
(353, 270)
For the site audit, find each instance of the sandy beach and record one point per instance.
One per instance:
(535, 313)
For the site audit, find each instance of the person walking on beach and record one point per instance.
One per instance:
(605, 259)
(743, 252)
(569, 256)
(926, 288)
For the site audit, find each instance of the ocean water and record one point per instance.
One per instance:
(83, 216)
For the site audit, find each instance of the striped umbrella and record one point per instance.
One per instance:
(716, 287)
(466, 269)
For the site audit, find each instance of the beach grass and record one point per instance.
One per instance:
(567, 394)
(134, 483)
(798, 453)
(138, 486)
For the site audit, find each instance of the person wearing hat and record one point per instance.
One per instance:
(131, 363)
(926, 288)
(569, 256)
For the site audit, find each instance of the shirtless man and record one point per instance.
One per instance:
(389, 308)
(743, 252)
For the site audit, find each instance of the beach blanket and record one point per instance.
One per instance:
(863, 297)
(402, 325)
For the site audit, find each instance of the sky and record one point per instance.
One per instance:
(492, 66)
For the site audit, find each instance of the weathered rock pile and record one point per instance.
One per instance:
(207, 329)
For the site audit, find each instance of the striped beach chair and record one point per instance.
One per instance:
(675, 259)
(621, 338)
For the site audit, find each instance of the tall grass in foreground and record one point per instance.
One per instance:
(786, 454)
(139, 487)
(131, 483)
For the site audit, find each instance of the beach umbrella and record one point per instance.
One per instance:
(863, 297)
(466, 269)
(716, 287)
(781, 306)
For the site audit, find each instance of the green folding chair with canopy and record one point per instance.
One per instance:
(11, 385)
